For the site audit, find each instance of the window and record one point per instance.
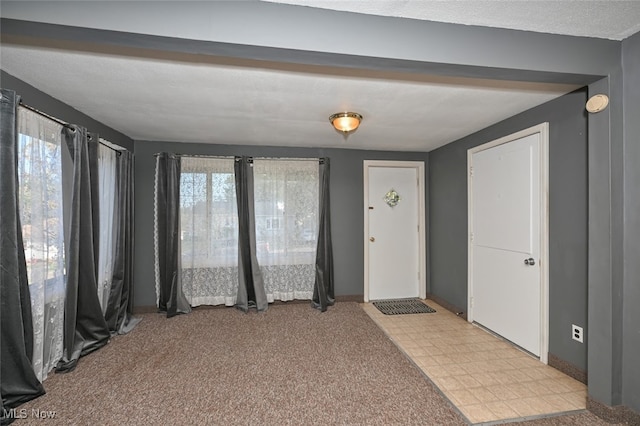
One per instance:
(40, 192)
(208, 230)
(107, 170)
(286, 206)
(285, 200)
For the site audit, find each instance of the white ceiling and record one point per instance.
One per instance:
(186, 99)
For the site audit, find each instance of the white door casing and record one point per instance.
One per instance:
(508, 224)
(394, 243)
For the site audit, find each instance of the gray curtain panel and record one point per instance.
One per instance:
(323, 287)
(171, 298)
(85, 328)
(251, 285)
(119, 312)
(18, 382)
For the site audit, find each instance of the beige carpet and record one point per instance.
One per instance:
(290, 365)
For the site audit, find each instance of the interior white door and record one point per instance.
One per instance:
(393, 234)
(506, 277)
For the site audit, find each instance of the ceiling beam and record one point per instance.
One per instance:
(316, 37)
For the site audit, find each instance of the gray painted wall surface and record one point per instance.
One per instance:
(567, 217)
(631, 288)
(605, 245)
(347, 200)
(55, 108)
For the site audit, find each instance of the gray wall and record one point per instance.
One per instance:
(606, 235)
(347, 200)
(55, 108)
(631, 286)
(567, 217)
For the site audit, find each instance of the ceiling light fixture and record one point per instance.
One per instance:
(345, 122)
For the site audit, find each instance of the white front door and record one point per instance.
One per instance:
(506, 286)
(393, 231)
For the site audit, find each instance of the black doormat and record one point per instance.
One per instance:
(402, 306)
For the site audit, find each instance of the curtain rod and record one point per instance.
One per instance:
(223, 157)
(320, 160)
(289, 158)
(63, 123)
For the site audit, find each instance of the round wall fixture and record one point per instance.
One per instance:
(597, 103)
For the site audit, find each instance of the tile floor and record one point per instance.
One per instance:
(485, 377)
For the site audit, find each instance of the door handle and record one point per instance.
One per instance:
(372, 239)
(530, 261)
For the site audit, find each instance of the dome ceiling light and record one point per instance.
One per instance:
(345, 122)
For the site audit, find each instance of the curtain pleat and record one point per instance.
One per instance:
(85, 329)
(92, 199)
(323, 289)
(171, 298)
(119, 312)
(18, 381)
(251, 290)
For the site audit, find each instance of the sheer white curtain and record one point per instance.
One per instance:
(108, 193)
(208, 231)
(40, 192)
(286, 194)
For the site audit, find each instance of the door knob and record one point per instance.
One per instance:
(530, 261)
(372, 239)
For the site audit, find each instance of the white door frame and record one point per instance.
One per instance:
(422, 251)
(543, 130)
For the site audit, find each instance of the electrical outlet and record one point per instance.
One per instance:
(577, 333)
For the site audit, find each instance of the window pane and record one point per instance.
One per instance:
(107, 192)
(193, 218)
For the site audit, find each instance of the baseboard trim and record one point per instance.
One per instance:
(358, 298)
(616, 414)
(448, 306)
(567, 368)
(145, 310)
